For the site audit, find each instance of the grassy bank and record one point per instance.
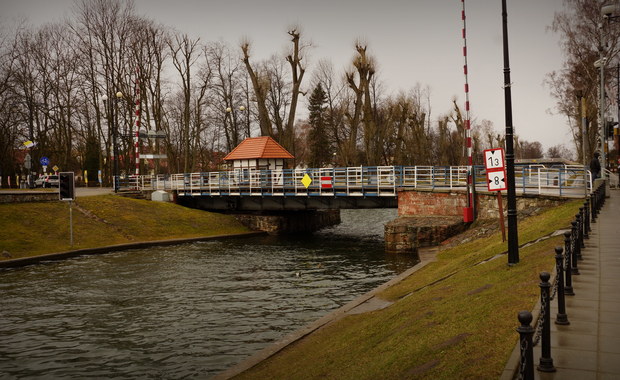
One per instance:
(30, 229)
(455, 318)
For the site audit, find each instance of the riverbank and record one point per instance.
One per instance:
(455, 318)
(100, 223)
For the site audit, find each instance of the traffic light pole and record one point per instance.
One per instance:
(66, 192)
(71, 223)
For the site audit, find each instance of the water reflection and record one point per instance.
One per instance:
(185, 311)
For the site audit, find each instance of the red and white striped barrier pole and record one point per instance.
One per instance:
(137, 142)
(468, 212)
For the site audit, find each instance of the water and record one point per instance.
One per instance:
(187, 311)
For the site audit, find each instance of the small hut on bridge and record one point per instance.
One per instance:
(262, 153)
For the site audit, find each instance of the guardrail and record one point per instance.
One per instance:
(356, 181)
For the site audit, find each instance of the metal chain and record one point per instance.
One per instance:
(540, 322)
(523, 358)
(555, 286)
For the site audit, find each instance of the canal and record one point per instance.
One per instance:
(186, 311)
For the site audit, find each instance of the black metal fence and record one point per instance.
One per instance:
(567, 259)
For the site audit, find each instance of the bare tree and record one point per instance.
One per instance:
(261, 85)
(585, 36)
(184, 56)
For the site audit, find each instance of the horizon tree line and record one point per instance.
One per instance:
(206, 97)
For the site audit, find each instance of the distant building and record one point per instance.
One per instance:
(262, 153)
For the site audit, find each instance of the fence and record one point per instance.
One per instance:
(357, 181)
(567, 259)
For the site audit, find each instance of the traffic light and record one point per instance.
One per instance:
(66, 186)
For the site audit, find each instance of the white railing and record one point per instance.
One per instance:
(358, 181)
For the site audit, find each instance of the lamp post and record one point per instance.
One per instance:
(584, 141)
(609, 12)
(600, 64)
(112, 121)
(513, 237)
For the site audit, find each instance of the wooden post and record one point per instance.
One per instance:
(500, 206)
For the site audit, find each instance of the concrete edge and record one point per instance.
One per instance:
(21, 262)
(328, 319)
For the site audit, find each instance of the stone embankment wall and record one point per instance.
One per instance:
(427, 218)
(30, 196)
(293, 221)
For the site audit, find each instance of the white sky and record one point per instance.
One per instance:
(413, 41)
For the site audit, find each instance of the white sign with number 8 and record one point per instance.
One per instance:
(496, 180)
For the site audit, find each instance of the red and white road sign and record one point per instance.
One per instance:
(326, 182)
(496, 180)
(496, 169)
(494, 159)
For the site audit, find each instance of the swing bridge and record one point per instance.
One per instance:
(347, 187)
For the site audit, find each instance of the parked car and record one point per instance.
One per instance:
(46, 181)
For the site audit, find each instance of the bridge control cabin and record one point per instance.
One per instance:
(258, 153)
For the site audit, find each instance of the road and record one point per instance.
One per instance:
(79, 191)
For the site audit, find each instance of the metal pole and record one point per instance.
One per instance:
(470, 211)
(114, 137)
(584, 143)
(513, 238)
(71, 222)
(601, 106)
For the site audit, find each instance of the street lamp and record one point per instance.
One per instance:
(513, 235)
(609, 12)
(112, 120)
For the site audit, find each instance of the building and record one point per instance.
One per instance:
(262, 153)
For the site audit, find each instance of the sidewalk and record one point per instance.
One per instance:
(589, 348)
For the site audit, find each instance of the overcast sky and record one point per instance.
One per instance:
(413, 41)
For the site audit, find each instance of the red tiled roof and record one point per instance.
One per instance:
(258, 147)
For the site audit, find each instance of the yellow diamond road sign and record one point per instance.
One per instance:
(306, 180)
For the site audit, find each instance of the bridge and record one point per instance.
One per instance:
(349, 187)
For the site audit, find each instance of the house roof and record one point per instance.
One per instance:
(258, 147)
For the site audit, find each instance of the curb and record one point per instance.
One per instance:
(21, 262)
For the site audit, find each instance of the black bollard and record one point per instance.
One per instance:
(580, 220)
(561, 318)
(568, 288)
(575, 246)
(593, 207)
(526, 364)
(546, 361)
(586, 215)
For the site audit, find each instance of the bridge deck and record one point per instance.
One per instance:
(355, 183)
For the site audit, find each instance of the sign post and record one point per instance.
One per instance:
(66, 192)
(44, 161)
(496, 179)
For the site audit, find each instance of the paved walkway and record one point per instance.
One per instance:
(589, 348)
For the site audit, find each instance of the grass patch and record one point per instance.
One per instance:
(455, 318)
(31, 229)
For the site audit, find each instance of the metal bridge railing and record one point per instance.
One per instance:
(358, 181)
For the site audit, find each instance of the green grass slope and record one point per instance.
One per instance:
(30, 229)
(455, 318)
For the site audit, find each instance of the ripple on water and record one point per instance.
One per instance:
(184, 311)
